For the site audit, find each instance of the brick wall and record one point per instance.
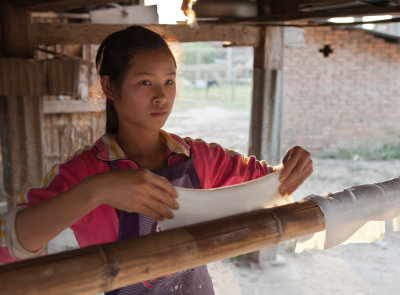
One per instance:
(350, 99)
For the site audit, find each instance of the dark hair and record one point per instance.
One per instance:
(115, 55)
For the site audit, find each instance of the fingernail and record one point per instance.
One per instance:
(176, 206)
(282, 190)
(282, 178)
(171, 216)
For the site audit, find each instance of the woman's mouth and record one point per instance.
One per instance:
(158, 113)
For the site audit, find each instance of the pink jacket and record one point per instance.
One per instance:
(215, 167)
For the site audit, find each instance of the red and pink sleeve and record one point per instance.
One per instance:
(218, 167)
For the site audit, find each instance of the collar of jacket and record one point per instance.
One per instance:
(109, 149)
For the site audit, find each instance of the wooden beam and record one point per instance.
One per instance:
(326, 3)
(56, 5)
(139, 14)
(342, 12)
(110, 266)
(278, 12)
(21, 116)
(62, 15)
(282, 7)
(51, 34)
(16, 31)
(309, 9)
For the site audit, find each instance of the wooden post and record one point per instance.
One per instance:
(110, 266)
(266, 113)
(21, 116)
(267, 96)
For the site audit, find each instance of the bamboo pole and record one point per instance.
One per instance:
(110, 266)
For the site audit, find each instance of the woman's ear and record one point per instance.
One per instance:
(107, 87)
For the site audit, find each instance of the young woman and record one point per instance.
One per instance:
(123, 184)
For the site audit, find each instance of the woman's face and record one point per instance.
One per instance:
(148, 91)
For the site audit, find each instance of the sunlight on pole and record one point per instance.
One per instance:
(373, 18)
(341, 20)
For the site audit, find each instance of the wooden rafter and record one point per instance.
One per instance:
(50, 34)
(274, 10)
(325, 4)
(361, 11)
(281, 18)
(56, 5)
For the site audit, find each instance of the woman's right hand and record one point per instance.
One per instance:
(136, 190)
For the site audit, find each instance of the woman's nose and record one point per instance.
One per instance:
(160, 96)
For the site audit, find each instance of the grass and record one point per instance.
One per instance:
(236, 97)
(239, 257)
(386, 152)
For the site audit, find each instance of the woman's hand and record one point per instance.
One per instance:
(134, 191)
(297, 166)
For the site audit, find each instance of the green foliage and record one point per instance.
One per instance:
(236, 96)
(386, 152)
(239, 257)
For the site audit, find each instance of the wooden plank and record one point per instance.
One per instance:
(342, 12)
(309, 9)
(21, 116)
(106, 267)
(73, 106)
(60, 15)
(51, 34)
(325, 3)
(139, 14)
(292, 15)
(56, 5)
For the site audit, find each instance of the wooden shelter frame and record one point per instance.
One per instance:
(21, 106)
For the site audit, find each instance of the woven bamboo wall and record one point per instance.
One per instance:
(65, 132)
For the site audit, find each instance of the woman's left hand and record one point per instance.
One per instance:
(297, 166)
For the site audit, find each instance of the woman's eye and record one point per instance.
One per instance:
(145, 82)
(169, 82)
